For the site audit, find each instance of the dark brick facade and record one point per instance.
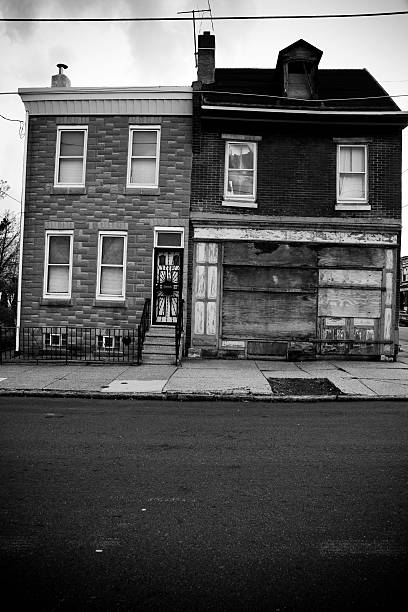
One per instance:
(296, 170)
(104, 204)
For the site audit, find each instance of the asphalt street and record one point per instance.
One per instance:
(132, 505)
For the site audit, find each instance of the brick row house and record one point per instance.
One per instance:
(107, 196)
(295, 210)
(263, 204)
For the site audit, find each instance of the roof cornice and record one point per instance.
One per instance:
(165, 100)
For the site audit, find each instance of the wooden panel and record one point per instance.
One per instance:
(351, 256)
(268, 278)
(268, 315)
(276, 349)
(389, 277)
(200, 284)
(268, 253)
(387, 323)
(212, 252)
(349, 303)
(358, 278)
(212, 282)
(201, 248)
(211, 318)
(199, 318)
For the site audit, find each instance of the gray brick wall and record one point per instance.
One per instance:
(104, 204)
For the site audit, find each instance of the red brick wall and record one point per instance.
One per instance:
(297, 170)
(104, 204)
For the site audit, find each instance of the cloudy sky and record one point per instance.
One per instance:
(161, 53)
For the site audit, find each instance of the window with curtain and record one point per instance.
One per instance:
(143, 163)
(111, 266)
(240, 170)
(352, 173)
(71, 157)
(58, 265)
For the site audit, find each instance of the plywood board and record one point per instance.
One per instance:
(349, 303)
(211, 319)
(212, 282)
(268, 315)
(236, 277)
(200, 281)
(358, 278)
(199, 318)
(351, 256)
(268, 253)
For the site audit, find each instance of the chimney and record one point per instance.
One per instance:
(60, 79)
(206, 58)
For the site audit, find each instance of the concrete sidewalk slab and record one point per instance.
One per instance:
(379, 373)
(382, 387)
(147, 372)
(288, 374)
(280, 366)
(244, 379)
(86, 378)
(135, 386)
(349, 385)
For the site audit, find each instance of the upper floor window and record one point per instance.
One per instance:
(58, 264)
(71, 156)
(144, 155)
(351, 173)
(111, 272)
(240, 171)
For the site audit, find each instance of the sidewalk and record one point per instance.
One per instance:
(218, 379)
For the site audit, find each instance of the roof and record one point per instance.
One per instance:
(337, 89)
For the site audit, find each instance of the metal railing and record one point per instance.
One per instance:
(142, 328)
(178, 330)
(69, 344)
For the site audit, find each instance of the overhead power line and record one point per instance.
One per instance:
(205, 18)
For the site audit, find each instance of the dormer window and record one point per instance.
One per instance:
(297, 69)
(299, 80)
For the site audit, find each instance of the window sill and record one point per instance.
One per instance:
(106, 303)
(54, 301)
(353, 206)
(240, 203)
(142, 190)
(69, 190)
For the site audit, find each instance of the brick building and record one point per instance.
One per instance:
(404, 285)
(295, 209)
(107, 194)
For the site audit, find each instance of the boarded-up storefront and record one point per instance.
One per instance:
(269, 298)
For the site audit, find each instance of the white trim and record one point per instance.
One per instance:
(349, 206)
(67, 128)
(240, 198)
(317, 236)
(48, 235)
(236, 204)
(22, 216)
(144, 128)
(105, 296)
(291, 111)
(78, 93)
(176, 230)
(363, 200)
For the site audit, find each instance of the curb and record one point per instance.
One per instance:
(182, 396)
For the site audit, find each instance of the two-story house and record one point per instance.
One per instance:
(295, 210)
(105, 222)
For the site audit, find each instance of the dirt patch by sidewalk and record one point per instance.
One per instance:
(303, 386)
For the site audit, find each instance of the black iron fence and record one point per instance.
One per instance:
(70, 344)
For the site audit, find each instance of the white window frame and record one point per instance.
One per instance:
(48, 234)
(168, 230)
(143, 128)
(106, 296)
(240, 198)
(68, 128)
(339, 199)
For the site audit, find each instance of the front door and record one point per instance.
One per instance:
(167, 286)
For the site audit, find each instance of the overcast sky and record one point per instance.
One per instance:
(161, 53)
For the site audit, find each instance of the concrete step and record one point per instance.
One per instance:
(161, 331)
(158, 359)
(158, 341)
(158, 350)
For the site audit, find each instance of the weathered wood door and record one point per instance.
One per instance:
(167, 284)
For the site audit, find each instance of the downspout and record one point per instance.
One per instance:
(22, 211)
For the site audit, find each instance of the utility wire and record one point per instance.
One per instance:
(210, 18)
